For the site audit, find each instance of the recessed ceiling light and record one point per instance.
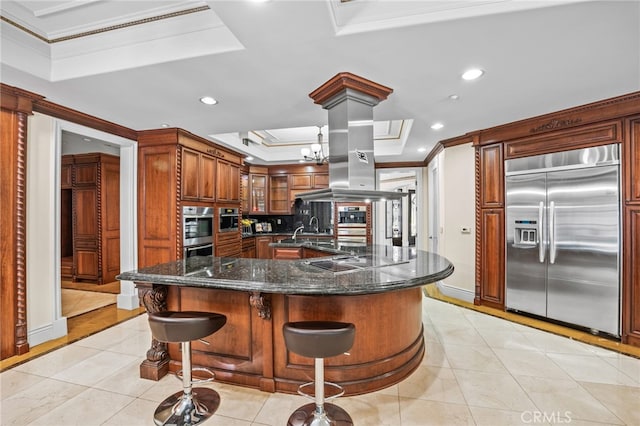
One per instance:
(472, 74)
(454, 97)
(164, 125)
(437, 126)
(248, 158)
(86, 139)
(422, 149)
(208, 100)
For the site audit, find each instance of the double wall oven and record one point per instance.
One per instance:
(353, 223)
(197, 231)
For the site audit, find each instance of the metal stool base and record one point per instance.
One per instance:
(175, 410)
(332, 416)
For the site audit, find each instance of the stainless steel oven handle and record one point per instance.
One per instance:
(541, 247)
(198, 247)
(552, 232)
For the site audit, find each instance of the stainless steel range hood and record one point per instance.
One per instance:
(349, 100)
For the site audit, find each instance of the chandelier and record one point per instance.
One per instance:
(315, 152)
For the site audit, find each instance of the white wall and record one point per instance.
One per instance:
(457, 211)
(44, 320)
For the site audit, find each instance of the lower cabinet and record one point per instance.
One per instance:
(249, 247)
(287, 253)
(228, 244)
(263, 251)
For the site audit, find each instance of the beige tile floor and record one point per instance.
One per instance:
(478, 369)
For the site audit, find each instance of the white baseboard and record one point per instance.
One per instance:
(52, 331)
(128, 301)
(456, 292)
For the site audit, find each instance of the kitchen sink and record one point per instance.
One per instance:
(351, 263)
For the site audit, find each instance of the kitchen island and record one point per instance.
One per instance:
(378, 288)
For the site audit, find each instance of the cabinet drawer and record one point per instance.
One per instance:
(287, 253)
(228, 250)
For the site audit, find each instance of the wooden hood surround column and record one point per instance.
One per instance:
(16, 105)
(615, 120)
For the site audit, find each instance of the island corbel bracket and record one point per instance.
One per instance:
(154, 299)
(262, 302)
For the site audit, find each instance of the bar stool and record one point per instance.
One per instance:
(191, 405)
(319, 340)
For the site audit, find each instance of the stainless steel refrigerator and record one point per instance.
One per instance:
(563, 237)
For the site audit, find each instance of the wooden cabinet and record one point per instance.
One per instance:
(249, 247)
(198, 173)
(279, 194)
(301, 181)
(170, 162)
(258, 193)
(631, 276)
(287, 253)
(263, 251)
(320, 180)
(492, 264)
(244, 193)
(632, 161)
(228, 181)
(90, 218)
(492, 176)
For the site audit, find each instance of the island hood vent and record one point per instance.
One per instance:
(349, 100)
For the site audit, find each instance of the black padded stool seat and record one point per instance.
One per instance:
(172, 326)
(190, 406)
(319, 340)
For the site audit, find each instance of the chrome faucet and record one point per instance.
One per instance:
(299, 228)
(315, 228)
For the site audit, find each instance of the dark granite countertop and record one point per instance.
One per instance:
(360, 270)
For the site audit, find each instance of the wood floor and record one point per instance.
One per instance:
(80, 326)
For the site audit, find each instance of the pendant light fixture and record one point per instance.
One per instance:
(315, 152)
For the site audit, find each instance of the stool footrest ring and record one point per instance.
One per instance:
(326, 398)
(199, 381)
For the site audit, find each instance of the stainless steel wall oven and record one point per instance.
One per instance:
(228, 219)
(197, 231)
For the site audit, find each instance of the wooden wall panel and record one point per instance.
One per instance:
(157, 205)
(631, 271)
(632, 161)
(492, 176)
(492, 268)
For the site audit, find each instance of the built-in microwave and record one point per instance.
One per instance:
(228, 219)
(197, 226)
(352, 216)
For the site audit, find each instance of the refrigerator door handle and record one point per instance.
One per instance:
(552, 232)
(541, 247)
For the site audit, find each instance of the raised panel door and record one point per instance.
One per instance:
(491, 176)
(86, 264)
(631, 278)
(228, 182)
(320, 180)
(301, 181)
(207, 173)
(263, 251)
(65, 176)
(85, 213)
(632, 162)
(189, 174)
(86, 174)
(492, 264)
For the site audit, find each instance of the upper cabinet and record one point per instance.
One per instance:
(198, 173)
(244, 191)
(279, 194)
(228, 182)
(258, 189)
